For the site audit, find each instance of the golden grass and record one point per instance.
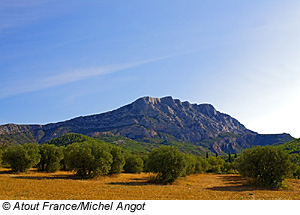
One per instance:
(63, 185)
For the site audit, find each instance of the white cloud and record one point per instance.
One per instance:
(15, 86)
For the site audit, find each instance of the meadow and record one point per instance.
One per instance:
(62, 185)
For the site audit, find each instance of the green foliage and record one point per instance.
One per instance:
(293, 149)
(229, 168)
(216, 164)
(201, 165)
(190, 161)
(0, 156)
(22, 157)
(168, 162)
(229, 157)
(133, 164)
(51, 156)
(68, 139)
(118, 160)
(267, 166)
(88, 159)
(296, 172)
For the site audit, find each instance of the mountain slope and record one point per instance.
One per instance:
(152, 118)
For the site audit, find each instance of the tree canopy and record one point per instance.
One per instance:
(267, 166)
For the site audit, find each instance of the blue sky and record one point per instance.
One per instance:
(62, 59)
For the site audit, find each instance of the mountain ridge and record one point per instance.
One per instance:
(149, 117)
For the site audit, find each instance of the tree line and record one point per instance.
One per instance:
(265, 166)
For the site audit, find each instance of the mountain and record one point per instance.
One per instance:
(148, 118)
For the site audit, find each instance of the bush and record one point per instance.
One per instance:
(51, 156)
(190, 164)
(267, 166)
(133, 164)
(22, 157)
(167, 162)
(201, 165)
(0, 156)
(216, 164)
(296, 172)
(88, 159)
(118, 160)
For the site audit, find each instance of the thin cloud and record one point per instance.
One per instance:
(19, 86)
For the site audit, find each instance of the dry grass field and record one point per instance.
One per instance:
(64, 186)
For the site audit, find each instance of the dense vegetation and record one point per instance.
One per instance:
(89, 157)
(293, 149)
(267, 166)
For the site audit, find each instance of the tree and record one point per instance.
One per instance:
(229, 158)
(267, 166)
(215, 164)
(201, 165)
(167, 162)
(0, 156)
(190, 164)
(206, 154)
(133, 164)
(22, 157)
(118, 160)
(88, 159)
(235, 155)
(51, 156)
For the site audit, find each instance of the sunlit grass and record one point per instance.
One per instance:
(63, 185)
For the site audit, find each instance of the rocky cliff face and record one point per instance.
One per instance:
(146, 118)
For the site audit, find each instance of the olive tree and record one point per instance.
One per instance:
(215, 164)
(201, 165)
(267, 166)
(88, 159)
(118, 160)
(22, 157)
(51, 156)
(167, 162)
(133, 164)
(0, 156)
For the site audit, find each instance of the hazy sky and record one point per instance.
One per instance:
(61, 59)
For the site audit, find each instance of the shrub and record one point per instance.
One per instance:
(201, 165)
(118, 160)
(215, 164)
(22, 157)
(51, 156)
(88, 159)
(0, 156)
(133, 164)
(296, 172)
(167, 162)
(190, 164)
(267, 166)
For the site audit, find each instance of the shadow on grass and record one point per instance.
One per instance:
(133, 182)
(236, 184)
(73, 177)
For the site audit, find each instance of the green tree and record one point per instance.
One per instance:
(206, 154)
(88, 159)
(51, 156)
(167, 162)
(215, 164)
(267, 166)
(229, 158)
(0, 156)
(201, 165)
(190, 164)
(118, 160)
(133, 164)
(22, 157)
